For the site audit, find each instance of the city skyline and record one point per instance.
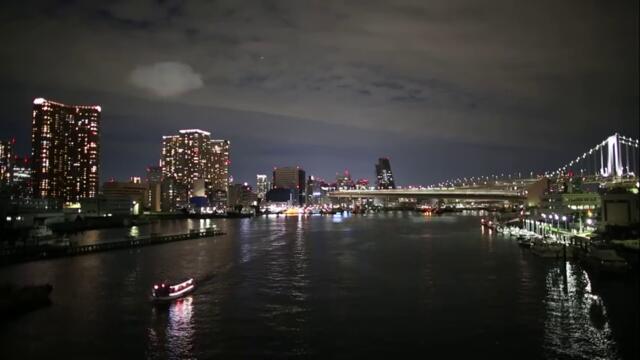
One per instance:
(220, 154)
(320, 179)
(337, 86)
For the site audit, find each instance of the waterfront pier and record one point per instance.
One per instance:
(29, 253)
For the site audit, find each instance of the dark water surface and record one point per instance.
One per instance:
(384, 285)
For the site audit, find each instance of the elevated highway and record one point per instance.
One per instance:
(463, 194)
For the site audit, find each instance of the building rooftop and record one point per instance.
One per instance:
(191, 131)
(40, 101)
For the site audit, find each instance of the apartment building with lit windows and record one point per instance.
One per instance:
(220, 162)
(65, 150)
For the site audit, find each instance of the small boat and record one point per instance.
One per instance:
(525, 241)
(40, 235)
(167, 292)
(606, 260)
(547, 250)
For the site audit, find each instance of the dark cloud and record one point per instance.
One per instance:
(387, 84)
(547, 75)
(107, 16)
(408, 98)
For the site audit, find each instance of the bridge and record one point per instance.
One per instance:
(613, 161)
(432, 193)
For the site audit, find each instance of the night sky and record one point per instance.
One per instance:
(443, 88)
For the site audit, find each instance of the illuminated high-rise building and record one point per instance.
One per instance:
(221, 162)
(21, 184)
(262, 185)
(344, 181)
(362, 184)
(65, 150)
(6, 162)
(315, 191)
(384, 175)
(187, 157)
(191, 156)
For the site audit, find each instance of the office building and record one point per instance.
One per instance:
(132, 191)
(289, 177)
(384, 176)
(154, 188)
(241, 196)
(65, 150)
(292, 178)
(117, 198)
(217, 199)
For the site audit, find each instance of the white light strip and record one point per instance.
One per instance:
(181, 291)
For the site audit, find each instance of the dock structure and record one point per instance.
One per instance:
(30, 253)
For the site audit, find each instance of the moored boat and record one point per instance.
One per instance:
(525, 241)
(40, 235)
(606, 260)
(165, 291)
(547, 250)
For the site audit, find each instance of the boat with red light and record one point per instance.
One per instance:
(166, 291)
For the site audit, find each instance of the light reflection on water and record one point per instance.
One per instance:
(576, 324)
(367, 286)
(178, 335)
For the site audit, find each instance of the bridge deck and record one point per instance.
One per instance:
(431, 194)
